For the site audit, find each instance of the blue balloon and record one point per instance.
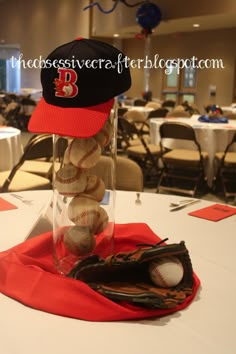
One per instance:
(148, 16)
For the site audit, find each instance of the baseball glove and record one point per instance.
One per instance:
(125, 276)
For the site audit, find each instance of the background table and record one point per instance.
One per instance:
(11, 147)
(212, 137)
(231, 108)
(207, 326)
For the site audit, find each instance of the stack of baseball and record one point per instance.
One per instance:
(86, 190)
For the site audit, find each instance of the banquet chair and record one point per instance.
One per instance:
(17, 180)
(169, 104)
(39, 158)
(183, 168)
(124, 175)
(123, 139)
(191, 108)
(129, 175)
(140, 121)
(40, 177)
(11, 113)
(121, 111)
(158, 113)
(139, 102)
(145, 154)
(225, 178)
(27, 107)
(2, 120)
(153, 104)
(179, 107)
(28, 104)
(135, 115)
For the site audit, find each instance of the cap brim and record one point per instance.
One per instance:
(81, 122)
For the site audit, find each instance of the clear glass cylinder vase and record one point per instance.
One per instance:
(84, 196)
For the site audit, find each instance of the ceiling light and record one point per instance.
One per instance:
(196, 25)
(116, 35)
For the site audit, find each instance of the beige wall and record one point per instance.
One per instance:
(39, 26)
(217, 44)
(124, 16)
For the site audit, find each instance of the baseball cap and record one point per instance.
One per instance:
(79, 80)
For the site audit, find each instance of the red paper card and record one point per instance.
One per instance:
(214, 212)
(5, 205)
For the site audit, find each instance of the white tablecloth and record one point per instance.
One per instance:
(231, 108)
(11, 147)
(207, 326)
(212, 137)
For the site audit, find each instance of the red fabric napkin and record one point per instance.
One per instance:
(27, 274)
(214, 212)
(5, 205)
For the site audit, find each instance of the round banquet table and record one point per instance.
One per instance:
(11, 147)
(206, 326)
(212, 137)
(231, 108)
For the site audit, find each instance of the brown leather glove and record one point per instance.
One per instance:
(125, 276)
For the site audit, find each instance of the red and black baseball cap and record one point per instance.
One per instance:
(80, 80)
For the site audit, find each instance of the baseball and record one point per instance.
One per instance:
(84, 153)
(95, 187)
(167, 272)
(103, 137)
(83, 210)
(101, 222)
(70, 180)
(79, 240)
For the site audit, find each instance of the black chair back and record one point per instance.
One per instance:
(139, 102)
(158, 113)
(39, 146)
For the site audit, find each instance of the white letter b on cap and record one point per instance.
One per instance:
(65, 84)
